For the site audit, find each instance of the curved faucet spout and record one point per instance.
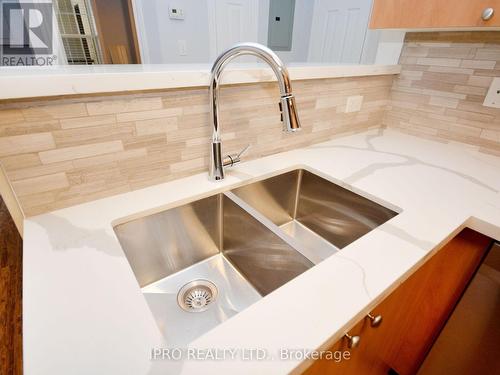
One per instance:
(287, 106)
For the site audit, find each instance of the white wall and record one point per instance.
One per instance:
(390, 44)
(159, 35)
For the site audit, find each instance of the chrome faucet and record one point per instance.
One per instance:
(287, 105)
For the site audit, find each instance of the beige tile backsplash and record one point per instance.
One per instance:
(62, 152)
(444, 80)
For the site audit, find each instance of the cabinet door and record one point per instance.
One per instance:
(399, 14)
(414, 313)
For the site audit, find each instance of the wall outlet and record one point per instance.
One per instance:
(182, 46)
(493, 96)
(175, 13)
(354, 103)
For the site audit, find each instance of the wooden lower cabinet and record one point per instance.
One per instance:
(413, 315)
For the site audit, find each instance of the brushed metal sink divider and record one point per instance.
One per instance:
(307, 251)
(259, 253)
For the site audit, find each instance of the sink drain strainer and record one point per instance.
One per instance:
(197, 295)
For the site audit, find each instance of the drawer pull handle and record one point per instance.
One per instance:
(375, 321)
(487, 14)
(353, 341)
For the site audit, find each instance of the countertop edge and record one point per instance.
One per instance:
(39, 82)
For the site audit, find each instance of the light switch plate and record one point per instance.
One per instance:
(493, 96)
(354, 103)
(182, 45)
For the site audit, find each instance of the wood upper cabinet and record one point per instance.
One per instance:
(413, 314)
(417, 14)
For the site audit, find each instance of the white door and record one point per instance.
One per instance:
(233, 21)
(338, 30)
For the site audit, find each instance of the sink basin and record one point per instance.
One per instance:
(323, 217)
(212, 241)
(200, 263)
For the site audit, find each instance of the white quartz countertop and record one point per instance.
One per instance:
(84, 313)
(41, 81)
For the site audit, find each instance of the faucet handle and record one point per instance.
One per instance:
(232, 159)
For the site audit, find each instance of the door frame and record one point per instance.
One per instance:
(131, 21)
(133, 29)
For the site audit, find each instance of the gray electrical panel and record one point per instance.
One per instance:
(281, 13)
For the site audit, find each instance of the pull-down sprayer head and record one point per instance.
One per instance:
(289, 114)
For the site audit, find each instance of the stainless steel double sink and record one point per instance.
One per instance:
(200, 263)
